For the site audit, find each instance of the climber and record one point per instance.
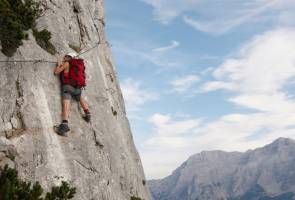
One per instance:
(71, 71)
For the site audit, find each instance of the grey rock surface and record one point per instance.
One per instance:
(214, 175)
(99, 158)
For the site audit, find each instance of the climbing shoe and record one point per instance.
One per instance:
(87, 117)
(63, 129)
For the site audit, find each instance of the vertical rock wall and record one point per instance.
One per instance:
(100, 158)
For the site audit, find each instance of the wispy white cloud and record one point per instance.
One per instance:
(167, 10)
(167, 146)
(135, 96)
(222, 25)
(263, 67)
(184, 83)
(218, 17)
(216, 85)
(239, 132)
(166, 127)
(158, 162)
(141, 54)
(173, 45)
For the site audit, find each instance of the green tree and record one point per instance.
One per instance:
(17, 17)
(62, 192)
(12, 188)
(135, 198)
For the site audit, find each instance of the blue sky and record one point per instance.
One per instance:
(201, 75)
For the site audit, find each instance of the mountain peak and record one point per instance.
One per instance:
(283, 141)
(262, 173)
(280, 143)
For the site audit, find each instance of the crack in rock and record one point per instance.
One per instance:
(91, 169)
(16, 125)
(96, 140)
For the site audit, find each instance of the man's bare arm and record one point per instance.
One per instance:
(60, 68)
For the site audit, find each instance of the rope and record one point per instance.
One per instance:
(48, 61)
(93, 22)
(27, 61)
(96, 45)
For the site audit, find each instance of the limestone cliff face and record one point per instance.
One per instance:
(100, 158)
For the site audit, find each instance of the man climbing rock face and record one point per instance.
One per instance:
(72, 75)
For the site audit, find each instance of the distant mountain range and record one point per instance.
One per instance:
(266, 173)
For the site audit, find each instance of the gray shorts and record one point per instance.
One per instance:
(69, 92)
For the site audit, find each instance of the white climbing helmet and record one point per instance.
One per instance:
(72, 54)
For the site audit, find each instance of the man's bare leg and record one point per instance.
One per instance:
(64, 127)
(84, 104)
(66, 104)
(85, 107)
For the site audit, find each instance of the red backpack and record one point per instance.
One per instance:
(76, 75)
